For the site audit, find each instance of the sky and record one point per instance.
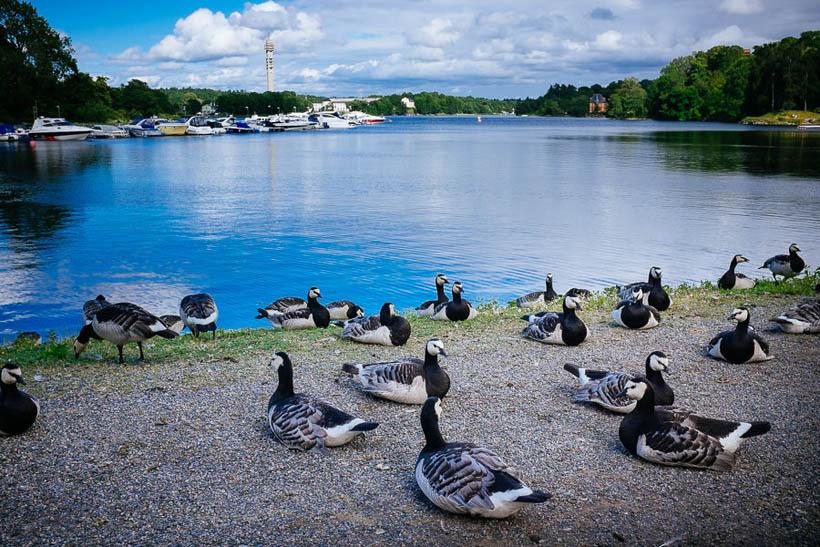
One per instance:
(337, 48)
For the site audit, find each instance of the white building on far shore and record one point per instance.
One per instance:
(341, 104)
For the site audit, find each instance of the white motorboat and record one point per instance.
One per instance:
(58, 129)
(107, 132)
(331, 120)
(294, 123)
(217, 127)
(198, 125)
(142, 127)
(363, 118)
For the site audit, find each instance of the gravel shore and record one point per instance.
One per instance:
(180, 452)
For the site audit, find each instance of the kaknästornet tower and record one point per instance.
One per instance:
(269, 62)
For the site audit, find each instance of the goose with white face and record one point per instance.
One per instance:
(741, 345)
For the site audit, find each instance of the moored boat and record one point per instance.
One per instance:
(198, 125)
(331, 120)
(102, 131)
(58, 129)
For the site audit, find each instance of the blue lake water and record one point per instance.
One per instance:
(372, 214)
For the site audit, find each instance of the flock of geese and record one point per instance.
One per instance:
(463, 477)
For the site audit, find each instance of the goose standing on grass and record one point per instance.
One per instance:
(540, 297)
(315, 315)
(18, 409)
(602, 387)
(303, 422)
(406, 380)
(785, 265)
(741, 345)
(658, 298)
(283, 305)
(120, 324)
(636, 313)
(457, 309)
(173, 322)
(341, 310)
(386, 329)
(91, 307)
(802, 318)
(466, 478)
(676, 437)
(426, 309)
(199, 313)
(732, 280)
(558, 328)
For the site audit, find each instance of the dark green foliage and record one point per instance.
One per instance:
(629, 101)
(138, 100)
(34, 58)
(269, 102)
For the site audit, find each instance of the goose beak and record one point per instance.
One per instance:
(19, 379)
(578, 307)
(443, 353)
(732, 316)
(621, 393)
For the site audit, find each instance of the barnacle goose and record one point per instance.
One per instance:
(120, 324)
(732, 280)
(804, 317)
(199, 313)
(343, 310)
(785, 265)
(538, 297)
(304, 422)
(407, 380)
(283, 305)
(636, 313)
(602, 386)
(315, 315)
(741, 345)
(426, 309)
(387, 328)
(672, 436)
(558, 328)
(18, 409)
(466, 478)
(658, 298)
(457, 309)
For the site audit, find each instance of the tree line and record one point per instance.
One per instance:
(725, 83)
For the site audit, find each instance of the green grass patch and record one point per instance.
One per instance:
(784, 117)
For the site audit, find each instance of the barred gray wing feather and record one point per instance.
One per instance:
(401, 372)
(605, 390)
(91, 307)
(295, 423)
(359, 327)
(460, 475)
(677, 444)
(625, 292)
(542, 328)
(199, 306)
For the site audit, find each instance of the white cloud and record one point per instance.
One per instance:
(437, 33)
(610, 39)
(742, 7)
(731, 35)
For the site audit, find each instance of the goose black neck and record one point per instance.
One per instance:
(733, 264)
(385, 317)
(312, 301)
(430, 361)
(8, 389)
(567, 310)
(285, 387)
(457, 297)
(86, 333)
(432, 433)
(549, 284)
(654, 376)
(743, 326)
(646, 404)
(440, 294)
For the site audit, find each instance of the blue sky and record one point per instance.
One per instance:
(360, 47)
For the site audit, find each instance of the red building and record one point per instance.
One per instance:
(597, 104)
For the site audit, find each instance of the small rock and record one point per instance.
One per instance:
(618, 536)
(382, 467)
(535, 538)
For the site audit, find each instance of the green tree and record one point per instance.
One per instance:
(629, 101)
(192, 106)
(34, 58)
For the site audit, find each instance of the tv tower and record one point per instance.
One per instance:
(269, 62)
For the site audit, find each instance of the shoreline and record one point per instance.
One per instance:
(123, 453)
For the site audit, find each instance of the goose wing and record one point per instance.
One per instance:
(286, 304)
(91, 307)
(293, 315)
(543, 327)
(806, 315)
(531, 298)
(296, 423)
(198, 306)
(604, 391)
(674, 443)
(361, 326)
(718, 336)
(460, 476)
(388, 376)
(625, 292)
(130, 318)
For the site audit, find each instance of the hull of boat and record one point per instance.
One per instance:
(172, 130)
(61, 136)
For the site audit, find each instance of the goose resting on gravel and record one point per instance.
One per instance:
(304, 422)
(672, 436)
(466, 478)
(802, 318)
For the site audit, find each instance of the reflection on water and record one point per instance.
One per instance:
(374, 213)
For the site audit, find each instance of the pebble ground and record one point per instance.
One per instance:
(180, 452)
